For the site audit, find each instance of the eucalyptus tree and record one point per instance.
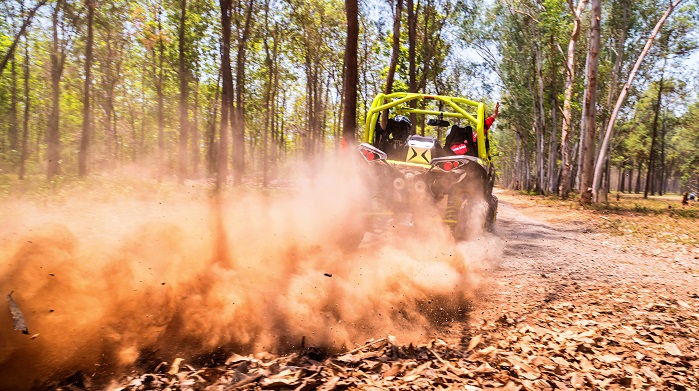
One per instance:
(576, 12)
(623, 93)
(588, 150)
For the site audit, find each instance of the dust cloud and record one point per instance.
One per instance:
(113, 281)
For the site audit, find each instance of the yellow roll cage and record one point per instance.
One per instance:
(399, 102)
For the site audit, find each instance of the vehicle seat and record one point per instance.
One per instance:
(459, 134)
(396, 147)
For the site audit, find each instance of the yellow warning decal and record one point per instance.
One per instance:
(419, 155)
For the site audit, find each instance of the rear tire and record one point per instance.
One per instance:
(492, 214)
(472, 215)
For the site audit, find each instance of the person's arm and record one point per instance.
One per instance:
(489, 121)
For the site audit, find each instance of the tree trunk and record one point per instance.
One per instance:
(226, 94)
(58, 56)
(395, 51)
(661, 185)
(267, 98)
(196, 152)
(142, 142)
(350, 80)
(518, 161)
(134, 132)
(160, 95)
(553, 142)
(620, 180)
(282, 143)
(85, 135)
(638, 177)
(541, 123)
(339, 118)
(428, 48)
(25, 124)
(567, 102)
(184, 120)
(650, 180)
(211, 136)
(110, 81)
(275, 149)
(238, 118)
(13, 131)
(625, 90)
(412, 38)
(583, 125)
(310, 101)
(590, 103)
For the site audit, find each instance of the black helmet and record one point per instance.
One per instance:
(402, 118)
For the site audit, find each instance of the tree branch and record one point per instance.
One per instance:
(25, 24)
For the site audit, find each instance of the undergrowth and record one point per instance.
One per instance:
(662, 218)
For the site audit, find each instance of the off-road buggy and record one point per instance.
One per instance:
(413, 179)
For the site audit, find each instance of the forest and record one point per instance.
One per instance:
(598, 96)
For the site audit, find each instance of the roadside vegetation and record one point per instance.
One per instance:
(658, 218)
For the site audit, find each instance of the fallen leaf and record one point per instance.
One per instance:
(652, 377)
(481, 353)
(474, 342)
(609, 358)
(672, 349)
(175, 367)
(577, 381)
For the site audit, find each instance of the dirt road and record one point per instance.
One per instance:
(548, 262)
(600, 311)
(566, 307)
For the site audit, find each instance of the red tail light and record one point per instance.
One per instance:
(371, 153)
(450, 165)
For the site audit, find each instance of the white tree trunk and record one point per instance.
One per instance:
(590, 102)
(570, 80)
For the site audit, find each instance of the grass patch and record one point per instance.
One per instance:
(93, 188)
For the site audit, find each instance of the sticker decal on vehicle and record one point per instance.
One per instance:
(419, 155)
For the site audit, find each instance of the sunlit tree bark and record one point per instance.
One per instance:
(567, 102)
(590, 105)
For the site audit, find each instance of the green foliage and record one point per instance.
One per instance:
(463, 47)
